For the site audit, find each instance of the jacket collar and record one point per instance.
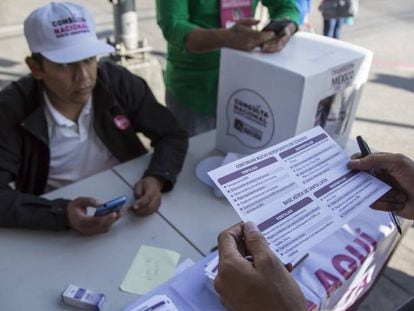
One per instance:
(36, 122)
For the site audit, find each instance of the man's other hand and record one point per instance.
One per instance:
(261, 284)
(399, 173)
(147, 193)
(88, 225)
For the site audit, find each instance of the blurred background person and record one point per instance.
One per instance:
(335, 13)
(304, 7)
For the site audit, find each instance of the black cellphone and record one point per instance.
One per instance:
(277, 26)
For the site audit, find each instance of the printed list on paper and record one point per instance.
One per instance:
(297, 192)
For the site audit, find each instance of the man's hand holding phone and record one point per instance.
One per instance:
(283, 30)
(109, 207)
(89, 225)
(242, 37)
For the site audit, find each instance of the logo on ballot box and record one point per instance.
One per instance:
(249, 118)
(342, 76)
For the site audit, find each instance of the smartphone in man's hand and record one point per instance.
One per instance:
(277, 26)
(111, 206)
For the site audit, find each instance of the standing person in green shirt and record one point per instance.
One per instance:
(195, 31)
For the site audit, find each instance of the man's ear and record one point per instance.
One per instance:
(35, 68)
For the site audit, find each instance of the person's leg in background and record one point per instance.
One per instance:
(328, 27)
(195, 123)
(337, 28)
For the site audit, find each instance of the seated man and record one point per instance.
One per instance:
(73, 117)
(265, 283)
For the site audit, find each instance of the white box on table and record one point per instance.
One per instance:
(264, 99)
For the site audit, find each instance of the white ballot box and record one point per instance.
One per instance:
(264, 99)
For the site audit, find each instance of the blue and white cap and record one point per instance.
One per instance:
(63, 33)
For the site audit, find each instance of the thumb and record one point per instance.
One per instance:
(374, 161)
(256, 243)
(263, 257)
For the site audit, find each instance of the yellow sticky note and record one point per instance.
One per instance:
(151, 267)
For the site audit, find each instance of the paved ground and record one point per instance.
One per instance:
(385, 115)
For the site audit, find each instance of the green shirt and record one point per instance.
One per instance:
(193, 78)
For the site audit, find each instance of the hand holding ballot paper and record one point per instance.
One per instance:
(297, 192)
(259, 278)
(400, 171)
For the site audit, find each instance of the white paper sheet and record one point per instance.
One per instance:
(297, 192)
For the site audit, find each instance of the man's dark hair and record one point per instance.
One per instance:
(38, 58)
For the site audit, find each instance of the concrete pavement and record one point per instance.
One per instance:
(385, 116)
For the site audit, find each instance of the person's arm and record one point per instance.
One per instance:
(169, 140)
(170, 143)
(26, 210)
(174, 20)
(261, 284)
(400, 169)
(19, 209)
(23, 210)
(173, 17)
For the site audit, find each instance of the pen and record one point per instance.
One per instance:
(294, 266)
(302, 259)
(365, 151)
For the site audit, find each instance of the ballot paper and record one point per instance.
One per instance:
(297, 192)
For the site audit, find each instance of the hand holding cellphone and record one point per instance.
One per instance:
(277, 26)
(111, 206)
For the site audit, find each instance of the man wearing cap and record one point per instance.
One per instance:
(73, 117)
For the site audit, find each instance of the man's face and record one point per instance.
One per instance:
(68, 84)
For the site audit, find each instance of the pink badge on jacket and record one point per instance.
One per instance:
(121, 122)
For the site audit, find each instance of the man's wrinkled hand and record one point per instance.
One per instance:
(147, 193)
(242, 37)
(398, 171)
(262, 283)
(277, 43)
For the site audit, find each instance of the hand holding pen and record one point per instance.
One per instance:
(258, 282)
(396, 170)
